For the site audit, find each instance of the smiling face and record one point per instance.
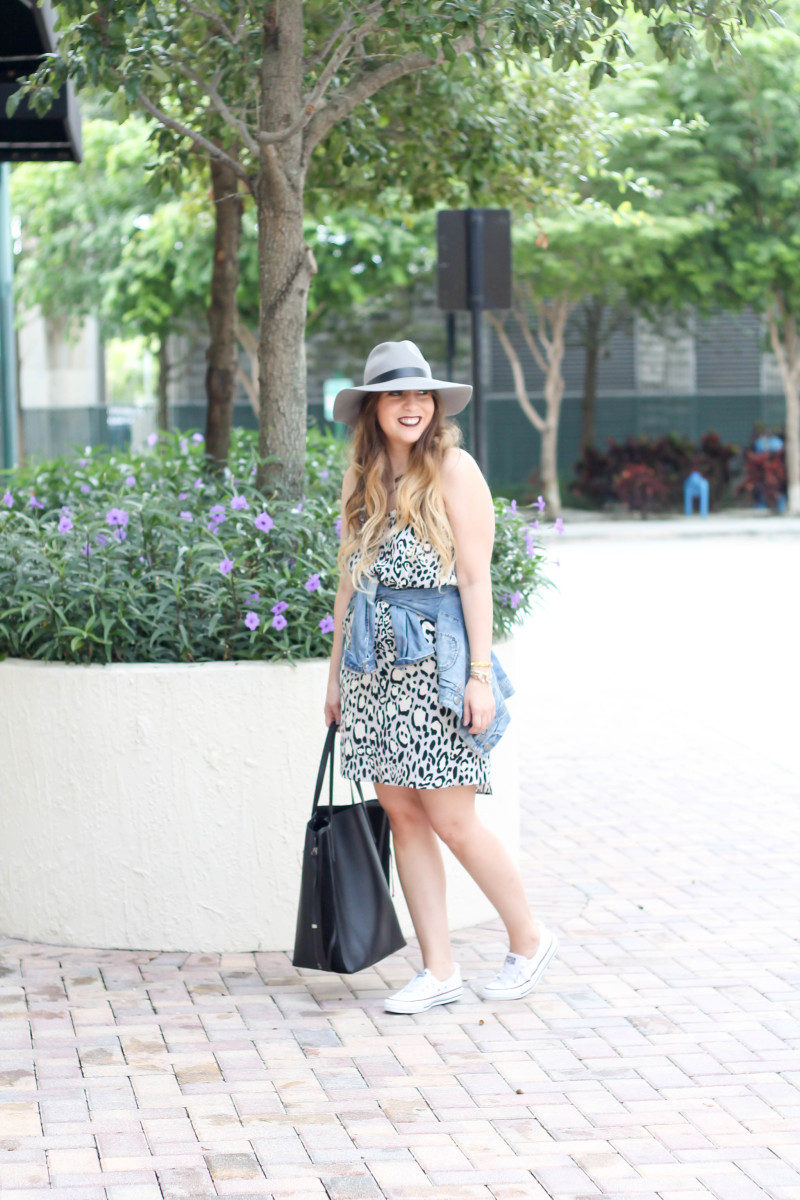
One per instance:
(404, 416)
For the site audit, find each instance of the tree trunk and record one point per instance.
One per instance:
(285, 262)
(162, 405)
(786, 345)
(222, 349)
(553, 395)
(593, 315)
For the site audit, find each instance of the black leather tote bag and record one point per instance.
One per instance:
(345, 917)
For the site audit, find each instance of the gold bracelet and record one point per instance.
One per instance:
(480, 664)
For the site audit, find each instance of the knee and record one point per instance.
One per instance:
(455, 832)
(404, 810)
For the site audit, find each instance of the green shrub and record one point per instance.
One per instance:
(111, 557)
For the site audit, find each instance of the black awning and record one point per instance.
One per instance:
(26, 33)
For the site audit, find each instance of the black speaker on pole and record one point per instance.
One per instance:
(474, 273)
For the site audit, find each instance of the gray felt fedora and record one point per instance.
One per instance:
(398, 366)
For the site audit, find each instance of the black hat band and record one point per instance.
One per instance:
(398, 373)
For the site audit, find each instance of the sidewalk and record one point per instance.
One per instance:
(579, 523)
(658, 1059)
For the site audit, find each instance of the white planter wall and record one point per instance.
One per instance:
(163, 806)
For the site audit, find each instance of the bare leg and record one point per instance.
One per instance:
(421, 870)
(452, 815)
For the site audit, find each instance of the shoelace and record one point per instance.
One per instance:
(512, 971)
(420, 982)
(416, 984)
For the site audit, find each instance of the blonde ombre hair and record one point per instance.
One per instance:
(420, 503)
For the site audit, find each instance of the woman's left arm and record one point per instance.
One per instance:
(470, 511)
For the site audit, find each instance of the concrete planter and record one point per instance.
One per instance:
(163, 806)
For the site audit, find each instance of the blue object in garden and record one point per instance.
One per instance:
(768, 443)
(695, 485)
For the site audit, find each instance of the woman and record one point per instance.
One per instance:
(413, 606)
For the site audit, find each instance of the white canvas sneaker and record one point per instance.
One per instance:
(423, 991)
(518, 974)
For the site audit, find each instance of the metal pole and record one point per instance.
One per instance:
(8, 366)
(450, 328)
(475, 299)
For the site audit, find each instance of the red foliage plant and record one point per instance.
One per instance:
(641, 487)
(764, 476)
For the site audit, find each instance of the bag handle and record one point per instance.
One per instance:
(327, 753)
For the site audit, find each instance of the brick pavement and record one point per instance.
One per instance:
(657, 1060)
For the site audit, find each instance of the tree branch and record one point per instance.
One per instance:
(350, 36)
(213, 19)
(203, 143)
(520, 388)
(219, 104)
(343, 28)
(367, 83)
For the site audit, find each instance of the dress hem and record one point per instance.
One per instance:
(483, 788)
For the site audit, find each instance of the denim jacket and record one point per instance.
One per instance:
(406, 606)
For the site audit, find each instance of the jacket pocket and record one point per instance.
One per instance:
(447, 649)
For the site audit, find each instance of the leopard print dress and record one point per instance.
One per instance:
(393, 729)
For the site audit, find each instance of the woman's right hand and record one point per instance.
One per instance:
(333, 702)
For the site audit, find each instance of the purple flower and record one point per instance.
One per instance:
(264, 522)
(85, 488)
(279, 621)
(8, 498)
(337, 525)
(120, 535)
(327, 624)
(35, 503)
(101, 539)
(324, 473)
(130, 480)
(226, 566)
(239, 502)
(512, 509)
(217, 513)
(279, 608)
(152, 438)
(313, 584)
(530, 543)
(253, 620)
(181, 495)
(515, 599)
(539, 503)
(87, 549)
(184, 445)
(117, 516)
(298, 507)
(65, 524)
(186, 516)
(559, 526)
(198, 483)
(253, 598)
(82, 462)
(253, 471)
(197, 438)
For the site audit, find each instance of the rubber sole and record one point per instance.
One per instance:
(413, 1006)
(522, 989)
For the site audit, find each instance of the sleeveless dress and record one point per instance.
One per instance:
(393, 729)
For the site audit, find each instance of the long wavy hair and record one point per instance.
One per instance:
(419, 499)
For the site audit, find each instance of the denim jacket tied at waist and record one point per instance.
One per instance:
(406, 606)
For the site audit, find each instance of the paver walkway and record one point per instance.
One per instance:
(658, 1058)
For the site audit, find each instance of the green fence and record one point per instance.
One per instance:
(513, 441)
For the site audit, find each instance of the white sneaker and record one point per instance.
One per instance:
(518, 974)
(423, 991)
